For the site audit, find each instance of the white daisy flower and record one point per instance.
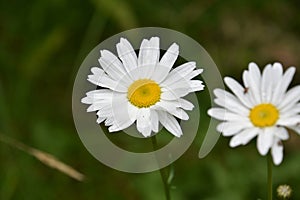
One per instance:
(142, 88)
(262, 108)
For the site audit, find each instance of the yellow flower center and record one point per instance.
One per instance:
(264, 115)
(143, 93)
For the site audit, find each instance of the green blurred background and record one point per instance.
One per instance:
(42, 44)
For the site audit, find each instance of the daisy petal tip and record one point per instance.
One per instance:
(177, 133)
(209, 112)
(122, 40)
(262, 151)
(233, 143)
(174, 47)
(277, 64)
(227, 79)
(154, 39)
(146, 134)
(113, 128)
(252, 65)
(85, 100)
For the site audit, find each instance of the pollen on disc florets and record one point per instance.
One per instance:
(264, 115)
(144, 93)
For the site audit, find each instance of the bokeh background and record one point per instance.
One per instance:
(42, 44)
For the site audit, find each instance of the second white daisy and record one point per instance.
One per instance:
(262, 108)
(142, 89)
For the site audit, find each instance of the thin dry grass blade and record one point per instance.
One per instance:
(46, 158)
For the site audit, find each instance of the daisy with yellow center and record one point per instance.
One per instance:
(142, 89)
(262, 108)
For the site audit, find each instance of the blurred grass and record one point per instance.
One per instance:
(42, 44)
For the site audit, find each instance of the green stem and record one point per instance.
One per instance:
(270, 165)
(163, 172)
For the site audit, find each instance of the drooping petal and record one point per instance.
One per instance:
(282, 133)
(265, 140)
(143, 123)
(277, 152)
(154, 120)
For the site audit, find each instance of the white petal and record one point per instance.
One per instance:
(100, 94)
(282, 85)
(142, 72)
(124, 113)
(193, 74)
(143, 122)
(196, 85)
(98, 106)
(160, 73)
(179, 73)
(100, 119)
(290, 110)
(289, 121)
(154, 120)
(170, 56)
(86, 100)
(127, 55)
(252, 81)
(282, 133)
(172, 108)
(225, 115)
(173, 94)
(186, 105)
(291, 97)
(105, 111)
(267, 84)
(276, 76)
(238, 90)
(265, 140)
(149, 52)
(166, 63)
(244, 137)
(232, 128)
(170, 123)
(101, 79)
(111, 65)
(278, 71)
(227, 100)
(277, 152)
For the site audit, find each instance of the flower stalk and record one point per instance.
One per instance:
(163, 172)
(270, 188)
